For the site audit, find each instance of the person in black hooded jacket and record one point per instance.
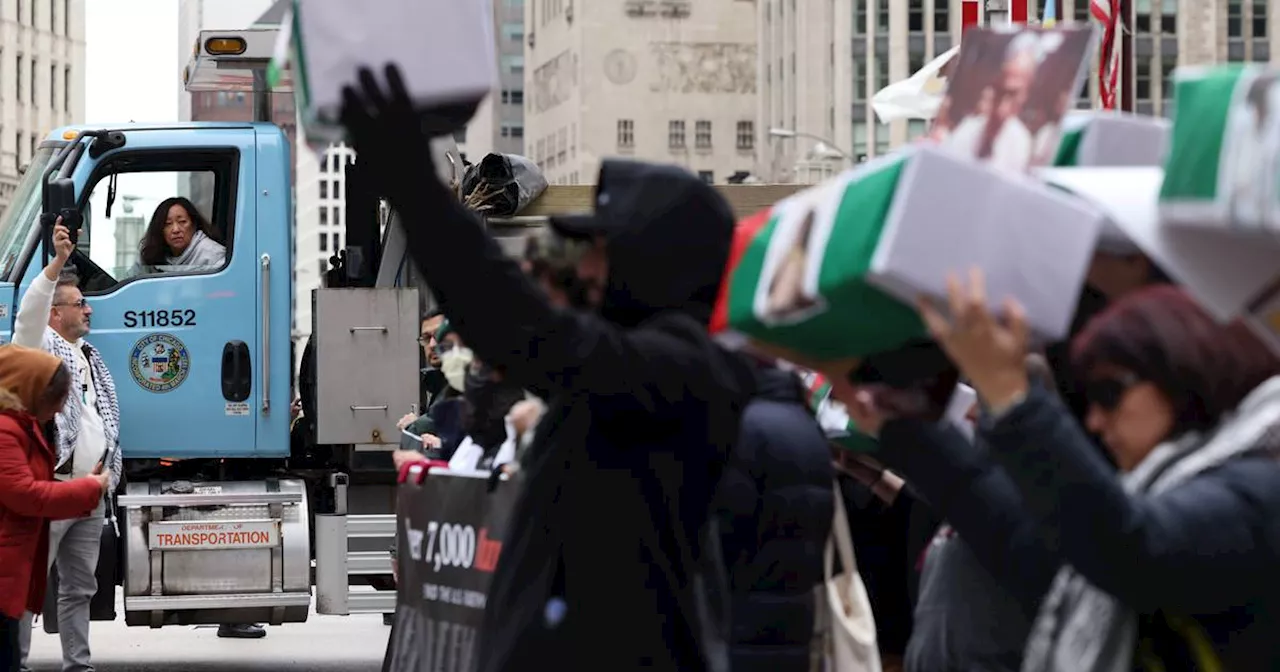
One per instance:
(775, 505)
(609, 562)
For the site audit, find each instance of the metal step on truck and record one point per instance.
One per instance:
(228, 514)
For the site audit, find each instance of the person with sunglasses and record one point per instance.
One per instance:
(1173, 561)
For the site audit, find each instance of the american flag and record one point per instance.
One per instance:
(1107, 13)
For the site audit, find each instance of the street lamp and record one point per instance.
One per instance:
(788, 133)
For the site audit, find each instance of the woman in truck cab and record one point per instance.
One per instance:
(179, 238)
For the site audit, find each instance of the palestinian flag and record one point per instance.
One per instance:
(832, 416)
(796, 277)
(1223, 164)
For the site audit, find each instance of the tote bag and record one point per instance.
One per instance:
(849, 640)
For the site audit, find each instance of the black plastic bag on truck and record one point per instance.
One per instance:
(502, 185)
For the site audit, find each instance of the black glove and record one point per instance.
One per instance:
(393, 138)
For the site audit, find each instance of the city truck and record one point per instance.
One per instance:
(229, 512)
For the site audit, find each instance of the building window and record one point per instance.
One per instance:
(915, 63)
(882, 72)
(21, 11)
(324, 212)
(859, 139)
(323, 266)
(702, 134)
(324, 240)
(513, 32)
(66, 17)
(916, 128)
(707, 176)
(1169, 17)
(882, 16)
(337, 216)
(1235, 18)
(324, 164)
(66, 89)
(1260, 18)
(512, 131)
(915, 16)
(337, 190)
(324, 189)
(512, 97)
(746, 135)
(337, 242)
(1142, 79)
(942, 16)
(514, 65)
(859, 79)
(53, 90)
(1141, 16)
(34, 68)
(626, 134)
(1166, 79)
(860, 17)
(18, 75)
(675, 134)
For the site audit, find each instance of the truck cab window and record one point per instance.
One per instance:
(154, 222)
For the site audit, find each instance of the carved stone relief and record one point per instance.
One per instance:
(620, 66)
(554, 81)
(667, 9)
(705, 67)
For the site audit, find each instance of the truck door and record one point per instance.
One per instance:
(179, 330)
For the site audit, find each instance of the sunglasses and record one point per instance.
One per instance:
(75, 304)
(1107, 393)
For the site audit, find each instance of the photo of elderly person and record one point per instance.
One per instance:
(179, 238)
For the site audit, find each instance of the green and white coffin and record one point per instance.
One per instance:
(1231, 276)
(1112, 139)
(444, 49)
(1223, 167)
(833, 272)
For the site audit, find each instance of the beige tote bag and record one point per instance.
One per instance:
(849, 637)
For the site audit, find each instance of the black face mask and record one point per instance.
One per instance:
(488, 402)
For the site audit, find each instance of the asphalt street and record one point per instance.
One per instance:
(354, 643)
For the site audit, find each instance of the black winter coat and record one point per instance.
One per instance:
(603, 567)
(775, 507)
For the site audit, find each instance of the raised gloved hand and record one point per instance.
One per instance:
(392, 137)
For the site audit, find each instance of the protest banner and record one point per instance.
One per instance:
(449, 535)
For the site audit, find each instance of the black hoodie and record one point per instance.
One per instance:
(643, 409)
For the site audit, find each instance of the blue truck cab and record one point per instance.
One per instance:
(201, 358)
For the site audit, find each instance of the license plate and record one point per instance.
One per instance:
(213, 536)
(208, 490)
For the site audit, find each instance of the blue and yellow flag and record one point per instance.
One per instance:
(1050, 14)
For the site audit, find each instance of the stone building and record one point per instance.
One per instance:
(42, 57)
(820, 63)
(673, 81)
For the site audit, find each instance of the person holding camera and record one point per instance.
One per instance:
(54, 316)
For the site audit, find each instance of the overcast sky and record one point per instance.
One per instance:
(131, 74)
(132, 53)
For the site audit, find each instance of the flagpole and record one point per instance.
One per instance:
(1127, 63)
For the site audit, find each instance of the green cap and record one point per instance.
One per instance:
(445, 329)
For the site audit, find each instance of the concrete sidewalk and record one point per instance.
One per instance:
(323, 643)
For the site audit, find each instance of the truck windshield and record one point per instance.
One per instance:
(23, 213)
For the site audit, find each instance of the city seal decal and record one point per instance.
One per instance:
(159, 362)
